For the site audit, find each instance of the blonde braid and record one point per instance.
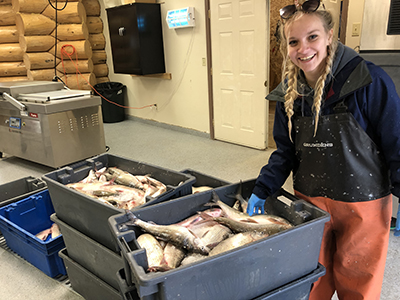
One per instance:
(291, 93)
(320, 85)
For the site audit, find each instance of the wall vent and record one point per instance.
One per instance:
(394, 18)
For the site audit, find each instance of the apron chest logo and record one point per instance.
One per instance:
(318, 145)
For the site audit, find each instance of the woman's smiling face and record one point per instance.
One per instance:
(307, 45)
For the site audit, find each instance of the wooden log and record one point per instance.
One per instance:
(100, 70)
(92, 7)
(12, 69)
(40, 60)
(71, 32)
(97, 41)
(29, 6)
(94, 24)
(10, 52)
(13, 78)
(82, 48)
(36, 43)
(34, 24)
(83, 81)
(8, 34)
(99, 57)
(42, 74)
(7, 15)
(69, 67)
(73, 13)
(102, 79)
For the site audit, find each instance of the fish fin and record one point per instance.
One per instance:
(205, 216)
(248, 220)
(215, 197)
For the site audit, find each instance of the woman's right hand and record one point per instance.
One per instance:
(255, 205)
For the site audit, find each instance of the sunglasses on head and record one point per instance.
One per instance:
(308, 6)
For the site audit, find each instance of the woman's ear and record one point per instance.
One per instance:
(330, 36)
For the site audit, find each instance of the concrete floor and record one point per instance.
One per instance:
(172, 148)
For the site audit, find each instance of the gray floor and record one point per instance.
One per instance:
(171, 148)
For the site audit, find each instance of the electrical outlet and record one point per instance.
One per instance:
(203, 60)
(356, 29)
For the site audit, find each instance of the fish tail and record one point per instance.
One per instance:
(215, 197)
(131, 216)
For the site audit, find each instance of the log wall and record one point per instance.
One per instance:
(33, 46)
(12, 67)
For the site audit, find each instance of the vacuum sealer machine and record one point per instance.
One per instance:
(43, 122)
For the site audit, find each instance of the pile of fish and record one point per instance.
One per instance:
(202, 235)
(119, 188)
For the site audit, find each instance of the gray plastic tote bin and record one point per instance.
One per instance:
(241, 274)
(94, 257)
(20, 189)
(85, 283)
(297, 289)
(90, 216)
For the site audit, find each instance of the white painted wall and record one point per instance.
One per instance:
(355, 15)
(183, 100)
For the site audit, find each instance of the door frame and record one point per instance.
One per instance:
(209, 69)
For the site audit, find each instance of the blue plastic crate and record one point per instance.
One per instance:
(21, 221)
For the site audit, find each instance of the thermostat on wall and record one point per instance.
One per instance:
(179, 18)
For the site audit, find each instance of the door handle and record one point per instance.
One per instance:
(121, 31)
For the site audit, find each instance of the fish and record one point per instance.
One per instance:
(192, 258)
(178, 235)
(173, 256)
(212, 234)
(192, 220)
(243, 226)
(236, 215)
(51, 232)
(119, 196)
(44, 234)
(124, 178)
(90, 178)
(55, 231)
(236, 241)
(153, 187)
(154, 251)
(200, 189)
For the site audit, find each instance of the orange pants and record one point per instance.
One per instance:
(354, 248)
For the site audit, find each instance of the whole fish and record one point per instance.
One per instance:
(176, 234)
(242, 226)
(236, 241)
(154, 251)
(234, 214)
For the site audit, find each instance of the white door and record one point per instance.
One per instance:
(240, 55)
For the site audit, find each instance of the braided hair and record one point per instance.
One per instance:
(290, 71)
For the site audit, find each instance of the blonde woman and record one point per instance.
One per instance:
(337, 127)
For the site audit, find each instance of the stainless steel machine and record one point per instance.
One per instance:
(43, 122)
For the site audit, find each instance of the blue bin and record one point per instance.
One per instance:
(21, 221)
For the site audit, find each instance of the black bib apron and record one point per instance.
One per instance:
(341, 162)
